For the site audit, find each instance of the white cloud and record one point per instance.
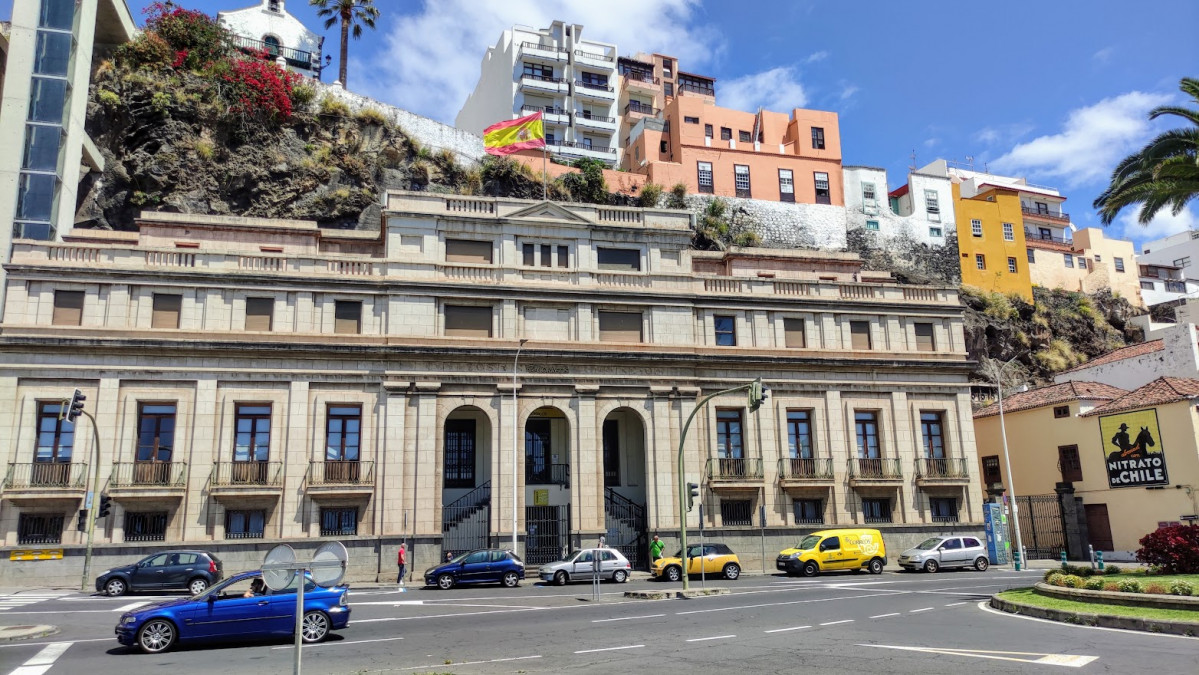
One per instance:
(931, 142)
(1104, 55)
(849, 90)
(1002, 133)
(431, 59)
(1092, 141)
(1163, 224)
(777, 89)
(817, 57)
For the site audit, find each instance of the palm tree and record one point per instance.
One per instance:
(1163, 173)
(353, 15)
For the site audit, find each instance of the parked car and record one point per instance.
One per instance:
(849, 549)
(487, 565)
(944, 552)
(707, 558)
(192, 571)
(580, 566)
(236, 609)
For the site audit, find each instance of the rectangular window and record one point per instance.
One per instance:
(1082, 263)
(339, 522)
(794, 336)
(668, 88)
(690, 120)
(932, 430)
(1031, 254)
(618, 259)
(935, 232)
(563, 256)
(1068, 462)
(991, 472)
(728, 434)
(245, 524)
(343, 435)
(68, 308)
(460, 453)
(726, 331)
(145, 525)
(55, 437)
(252, 428)
(1009, 233)
(705, 176)
(707, 131)
(859, 335)
(872, 225)
(547, 255)
(1148, 286)
(868, 193)
(39, 528)
(1011, 265)
(1069, 259)
(799, 434)
(260, 314)
(538, 71)
(166, 308)
(943, 509)
(876, 510)
(786, 186)
(817, 138)
(468, 321)
(980, 261)
(1045, 233)
(744, 136)
(1178, 262)
(528, 255)
(620, 326)
(976, 227)
(726, 134)
(925, 341)
(823, 196)
(736, 512)
(611, 433)
(931, 202)
(347, 317)
(1119, 264)
(1171, 286)
(741, 179)
(808, 511)
(468, 251)
(866, 429)
(155, 432)
(1061, 411)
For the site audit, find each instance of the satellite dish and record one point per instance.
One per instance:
(329, 564)
(279, 567)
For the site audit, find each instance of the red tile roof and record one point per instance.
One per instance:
(1129, 352)
(899, 191)
(1158, 392)
(1053, 394)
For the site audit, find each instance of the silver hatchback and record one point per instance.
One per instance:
(946, 552)
(580, 566)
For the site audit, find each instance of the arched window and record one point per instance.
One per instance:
(272, 45)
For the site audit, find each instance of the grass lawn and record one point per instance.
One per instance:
(1030, 597)
(1164, 579)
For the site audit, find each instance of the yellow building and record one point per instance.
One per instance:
(991, 240)
(1088, 261)
(1130, 457)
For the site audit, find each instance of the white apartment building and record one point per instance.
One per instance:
(269, 26)
(554, 71)
(1173, 264)
(919, 211)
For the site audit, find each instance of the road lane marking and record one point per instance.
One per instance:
(42, 644)
(394, 603)
(834, 623)
(608, 649)
(132, 605)
(922, 609)
(791, 602)
(340, 642)
(437, 666)
(883, 616)
(43, 660)
(714, 637)
(1067, 660)
(955, 604)
(985, 606)
(784, 630)
(627, 618)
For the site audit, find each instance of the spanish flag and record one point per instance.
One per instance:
(505, 138)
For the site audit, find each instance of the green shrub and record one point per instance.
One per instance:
(1155, 588)
(109, 99)
(205, 149)
(678, 197)
(161, 101)
(1128, 586)
(1181, 587)
(1094, 584)
(302, 96)
(1049, 573)
(147, 49)
(371, 116)
(334, 107)
(1072, 581)
(649, 195)
(1078, 570)
(194, 37)
(1112, 569)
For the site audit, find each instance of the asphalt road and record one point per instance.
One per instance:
(893, 623)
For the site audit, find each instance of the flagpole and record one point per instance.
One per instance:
(544, 175)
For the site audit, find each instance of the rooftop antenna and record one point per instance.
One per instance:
(970, 161)
(913, 157)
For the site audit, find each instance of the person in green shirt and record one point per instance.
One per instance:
(655, 549)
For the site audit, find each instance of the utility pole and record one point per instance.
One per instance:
(72, 411)
(997, 373)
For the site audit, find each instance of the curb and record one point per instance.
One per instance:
(14, 633)
(1117, 598)
(1186, 628)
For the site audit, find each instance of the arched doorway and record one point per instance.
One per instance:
(466, 476)
(623, 438)
(547, 486)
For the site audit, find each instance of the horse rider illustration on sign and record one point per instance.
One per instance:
(1133, 463)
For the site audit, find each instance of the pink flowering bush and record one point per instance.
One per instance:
(1172, 550)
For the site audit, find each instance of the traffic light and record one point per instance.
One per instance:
(105, 505)
(75, 407)
(757, 395)
(692, 493)
(81, 525)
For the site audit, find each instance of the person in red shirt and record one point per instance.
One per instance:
(402, 562)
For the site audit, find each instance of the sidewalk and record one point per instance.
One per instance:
(27, 632)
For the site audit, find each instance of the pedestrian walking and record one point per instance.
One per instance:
(402, 562)
(655, 549)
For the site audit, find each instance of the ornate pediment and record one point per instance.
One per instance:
(548, 211)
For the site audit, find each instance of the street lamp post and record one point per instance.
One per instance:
(1007, 460)
(95, 486)
(515, 421)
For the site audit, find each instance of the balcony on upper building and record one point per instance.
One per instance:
(543, 84)
(247, 478)
(942, 471)
(874, 471)
(148, 479)
(543, 53)
(596, 90)
(341, 476)
(550, 114)
(592, 150)
(1044, 211)
(593, 57)
(1051, 238)
(733, 472)
(44, 479)
(296, 58)
(696, 85)
(590, 120)
(639, 109)
(805, 471)
(641, 81)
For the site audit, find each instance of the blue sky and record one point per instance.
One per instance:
(1056, 91)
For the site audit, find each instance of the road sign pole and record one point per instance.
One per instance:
(299, 621)
(91, 522)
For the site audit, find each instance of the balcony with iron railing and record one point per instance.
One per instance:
(593, 121)
(329, 475)
(1045, 215)
(941, 471)
(603, 151)
(735, 469)
(595, 90)
(547, 474)
(543, 52)
(148, 476)
(544, 83)
(296, 58)
(805, 470)
(865, 470)
(696, 90)
(1033, 236)
(638, 108)
(549, 113)
(247, 476)
(37, 477)
(638, 80)
(595, 60)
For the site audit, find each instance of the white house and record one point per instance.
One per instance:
(920, 211)
(268, 26)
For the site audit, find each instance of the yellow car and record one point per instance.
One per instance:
(714, 559)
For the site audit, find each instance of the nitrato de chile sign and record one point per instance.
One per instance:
(1132, 445)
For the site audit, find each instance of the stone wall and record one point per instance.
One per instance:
(785, 225)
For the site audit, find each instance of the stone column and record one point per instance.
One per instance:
(661, 495)
(201, 456)
(587, 467)
(906, 452)
(422, 464)
(1074, 523)
(840, 449)
(392, 502)
(293, 445)
(501, 496)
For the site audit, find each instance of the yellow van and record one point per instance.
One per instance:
(835, 550)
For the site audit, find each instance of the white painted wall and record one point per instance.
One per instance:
(257, 22)
(892, 226)
(1179, 358)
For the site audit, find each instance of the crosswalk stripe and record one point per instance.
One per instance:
(43, 660)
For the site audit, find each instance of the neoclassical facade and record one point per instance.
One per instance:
(256, 381)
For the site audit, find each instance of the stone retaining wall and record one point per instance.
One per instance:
(1117, 598)
(1102, 620)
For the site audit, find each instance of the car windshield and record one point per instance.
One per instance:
(809, 542)
(218, 589)
(929, 544)
(458, 558)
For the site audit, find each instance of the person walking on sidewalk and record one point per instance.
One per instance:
(655, 549)
(402, 562)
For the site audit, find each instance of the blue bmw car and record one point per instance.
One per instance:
(240, 608)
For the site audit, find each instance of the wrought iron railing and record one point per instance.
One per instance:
(944, 467)
(593, 55)
(593, 85)
(875, 468)
(800, 468)
(1052, 215)
(584, 146)
(1031, 235)
(548, 474)
(38, 475)
(544, 48)
(694, 89)
(341, 472)
(295, 57)
(542, 78)
(734, 467)
(548, 110)
(595, 118)
(634, 107)
(37, 529)
(265, 474)
(139, 474)
(647, 78)
(148, 526)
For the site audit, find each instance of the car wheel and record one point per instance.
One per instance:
(560, 578)
(510, 580)
(674, 573)
(197, 586)
(115, 587)
(620, 576)
(931, 566)
(875, 566)
(156, 636)
(732, 571)
(981, 564)
(810, 569)
(445, 582)
(315, 627)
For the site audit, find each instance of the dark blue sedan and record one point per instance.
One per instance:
(240, 608)
(488, 565)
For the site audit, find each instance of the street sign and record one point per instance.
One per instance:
(278, 569)
(329, 564)
(328, 568)
(36, 554)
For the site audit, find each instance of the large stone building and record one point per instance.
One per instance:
(257, 381)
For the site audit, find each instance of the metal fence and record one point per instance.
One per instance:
(1041, 526)
(548, 533)
(626, 525)
(466, 522)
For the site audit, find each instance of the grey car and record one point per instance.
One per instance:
(946, 552)
(580, 566)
